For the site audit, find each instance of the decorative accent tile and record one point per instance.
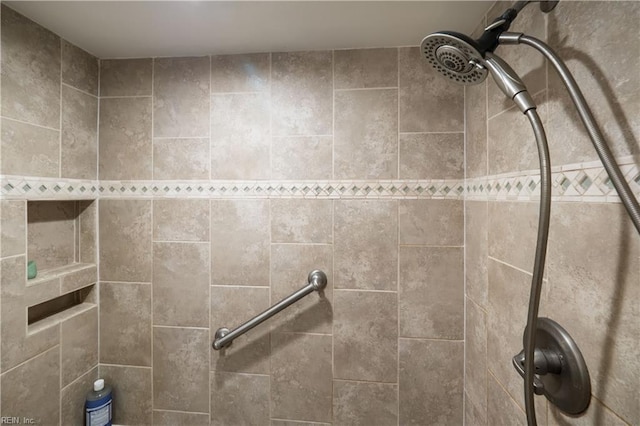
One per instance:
(25, 187)
(573, 182)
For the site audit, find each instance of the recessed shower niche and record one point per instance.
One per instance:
(61, 240)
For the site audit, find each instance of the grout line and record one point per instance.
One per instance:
(77, 379)
(164, 410)
(33, 124)
(151, 249)
(57, 345)
(364, 290)
(464, 253)
(430, 339)
(368, 382)
(60, 333)
(145, 367)
(79, 90)
(359, 89)
(432, 133)
(176, 241)
(179, 327)
(239, 286)
(128, 96)
(502, 262)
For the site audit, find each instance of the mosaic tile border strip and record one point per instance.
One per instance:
(574, 182)
(587, 182)
(36, 188)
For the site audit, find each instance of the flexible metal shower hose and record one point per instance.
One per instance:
(617, 178)
(602, 148)
(538, 267)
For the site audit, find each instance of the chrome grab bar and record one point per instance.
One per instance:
(317, 281)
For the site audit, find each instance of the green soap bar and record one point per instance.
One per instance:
(32, 271)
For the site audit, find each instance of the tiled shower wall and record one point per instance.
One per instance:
(592, 284)
(383, 344)
(49, 112)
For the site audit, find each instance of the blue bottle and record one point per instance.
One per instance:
(98, 405)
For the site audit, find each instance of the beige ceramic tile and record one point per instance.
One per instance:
(79, 68)
(73, 396)
(506, 320)
(125, 323)
(240, 73)
(501, 409)
(30, 72)
(601, 60)
(180, 369)
(511, 141)
(428, 102)
(366, 134)
(596, 414)
(181, 97)
(29, 150)
(132, 393)
(125, 240)
(125, 77)
(593, 261)
(301, 221)
(230, 307)
(239, 242)
(302, 157)
(12, 228)
(526, 62)
(240, 136)
(476, 129)
(180, 220)
(32, 390)
(88, 224)
(431, 381)
(365, 68)
(16, 346)
(181, 159)
(79, 345)
(51, 233)
(301, 93)
(512, 233)
(431, 292)
(301, 389)
(365, 336)
(363, 404)
(476, 357)
(290, 266)
(432, 156)
(249, 391)
(473, 416)
(125, 146)
(79, 143)
(176, 418)
(431, 222)
(476, 243)
(181, 284)
(366, 239)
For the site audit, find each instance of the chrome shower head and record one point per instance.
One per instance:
(459, 58)
(455, 56)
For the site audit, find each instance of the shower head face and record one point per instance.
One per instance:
(455, 56)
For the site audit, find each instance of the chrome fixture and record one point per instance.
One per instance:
(551, 362)
(317, 281)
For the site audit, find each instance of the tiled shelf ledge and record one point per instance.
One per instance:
(55, 319)
(56, 295)
(67, 278)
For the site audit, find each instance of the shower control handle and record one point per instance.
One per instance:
(518, 364)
